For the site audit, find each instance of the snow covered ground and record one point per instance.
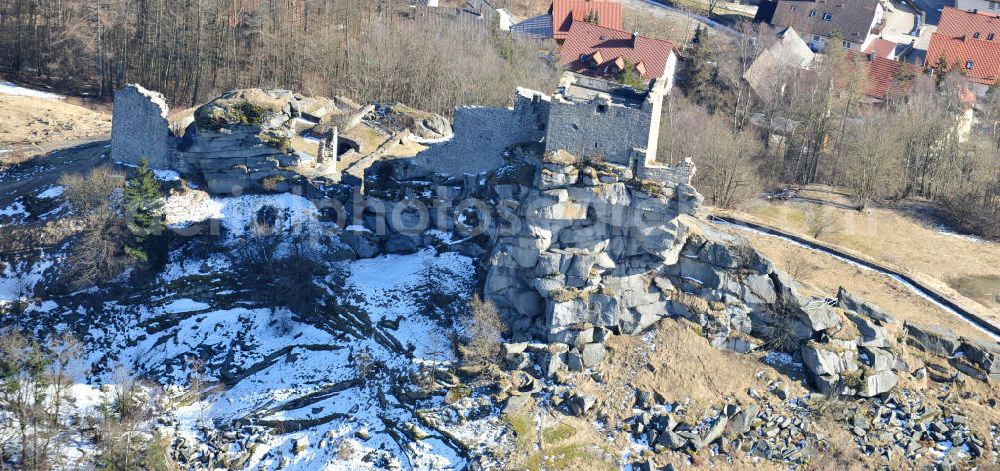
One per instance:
(8, 88)
(298, 381)
(295, 214)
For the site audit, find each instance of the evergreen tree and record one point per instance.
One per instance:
(940, 70)
(630, 76)
(145, 217)
(703, 85)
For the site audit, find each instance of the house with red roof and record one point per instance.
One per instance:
(882, 47)
(882, 76)
(604, 13)
(597, 51)
(557, 22)
(970, 43)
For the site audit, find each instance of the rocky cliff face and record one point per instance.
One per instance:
(583, 250)
(241, 141)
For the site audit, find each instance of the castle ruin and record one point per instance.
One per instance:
(139, 128)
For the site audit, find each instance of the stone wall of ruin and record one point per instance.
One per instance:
(139, 128)
(597, 128)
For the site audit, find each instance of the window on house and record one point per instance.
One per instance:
(795, 8)
(828, 16)
(815, 37)
(847, 44)
(989, 37)
(968, 65)
(583, 58)
(975, 35)
(994, 6)
(812, 13)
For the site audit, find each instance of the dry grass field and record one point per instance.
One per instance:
(897, 236)
(32, 123)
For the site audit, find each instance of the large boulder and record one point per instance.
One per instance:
(363, 242)
(985, 355)
(850, 302)
(872, 334)
(877, 383)
(827, 359)
(592, 354)
(932, 339)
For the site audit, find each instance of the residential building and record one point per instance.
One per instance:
(882, 76)
(858, 22)
(770, 71)
(605, 13)
(557, 22)
(597, 51)
(978, 5)
(970, 43)
(883, 48)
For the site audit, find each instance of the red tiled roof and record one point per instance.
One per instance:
(565, 12)
(955, 23)
(881, 73)
(958, 52)
(964, 36)
(586, 39)
(881, 47)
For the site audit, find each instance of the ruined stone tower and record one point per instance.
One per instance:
(139, 128)
(603, 120)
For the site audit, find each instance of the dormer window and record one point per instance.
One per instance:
(812, 13)
(641, 68)
(583, 58)
(795, 8)
(989, 37)
(975, 35)
(968, 65)
(827, 16)
(596, 58)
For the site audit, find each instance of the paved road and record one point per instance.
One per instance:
(933, 9)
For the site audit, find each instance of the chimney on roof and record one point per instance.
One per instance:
(635, 35)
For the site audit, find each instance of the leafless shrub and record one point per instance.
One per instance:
(279, 280)
(821, 222)
(99, 254)
(94, 191)
(123, 437)
(799, 268)
(779, 333)
(483, 331)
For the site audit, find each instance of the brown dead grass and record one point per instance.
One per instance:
(969, 266)
(826, 274)
(678, 364)
(31, 121)
(675, 28)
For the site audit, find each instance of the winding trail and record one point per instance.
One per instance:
(981, 323)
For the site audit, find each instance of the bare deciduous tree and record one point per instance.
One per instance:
(821, 221)
(483, 331)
